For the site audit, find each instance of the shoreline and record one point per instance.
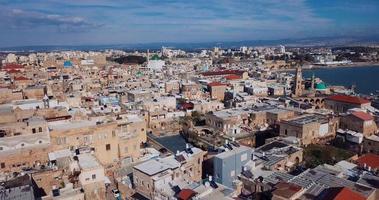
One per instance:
(352, 65)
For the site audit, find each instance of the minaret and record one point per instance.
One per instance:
(148, 56)
(313, 82)
(298, 90)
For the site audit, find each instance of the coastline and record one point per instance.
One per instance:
(351, 65)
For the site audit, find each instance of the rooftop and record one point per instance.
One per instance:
(87, 161)
(348, 99)
(235, 151)
(362, 115)
(286, 190)
(215, 84)
(307, 119)
(155, 166)
(222, 72)
(371, 160)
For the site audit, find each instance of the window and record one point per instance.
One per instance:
(40, 129)
(1, 148)
(113, 133)
(34, 130)
(40, 141)
(232, 173)
(2, 165)
(285, 132)
(93, 176)
(243, 157)
(22, 144)
(107, 147)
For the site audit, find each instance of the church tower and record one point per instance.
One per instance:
(298, 89)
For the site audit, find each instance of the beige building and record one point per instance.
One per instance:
(172, 87)
(207, 106)
(152, 178)
(111, 142)
(342, 103)
(217, 90)
(8, 95)
(371, 144)
(23, 144)
(262, 117)
(360, 122)
(191, 91)
(91, 177)
(309, 128)
(228, 121)
(139, 95)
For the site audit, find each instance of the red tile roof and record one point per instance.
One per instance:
(348, 99)
(371, 160)
(21, 78)
(216, 84)
(346, 193)
(12, 66)
(363, 116)
(223, 72)
(233, 77)
(13, 71)
(186, 194)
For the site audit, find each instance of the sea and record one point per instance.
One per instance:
(365, 78)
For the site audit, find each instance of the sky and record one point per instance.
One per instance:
(94, 22)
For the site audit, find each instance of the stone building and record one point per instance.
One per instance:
(342, 103)
(152, 178)
(309, 128)
(217, 90)
(360, 122)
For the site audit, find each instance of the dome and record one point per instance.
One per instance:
(139, 74)
(155, 57)
(67, 63)
(321, 86)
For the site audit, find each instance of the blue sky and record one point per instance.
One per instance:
(77, 22)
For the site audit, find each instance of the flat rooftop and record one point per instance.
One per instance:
(155, 166)
(87, 161)
(235, 150)
(68, 125)
(307, 119)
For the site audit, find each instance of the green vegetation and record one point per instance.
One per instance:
(315, 155)
(130, 59)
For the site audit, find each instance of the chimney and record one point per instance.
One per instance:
(177, 152)
(187, 146)
(210, 178)
(233, 139)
